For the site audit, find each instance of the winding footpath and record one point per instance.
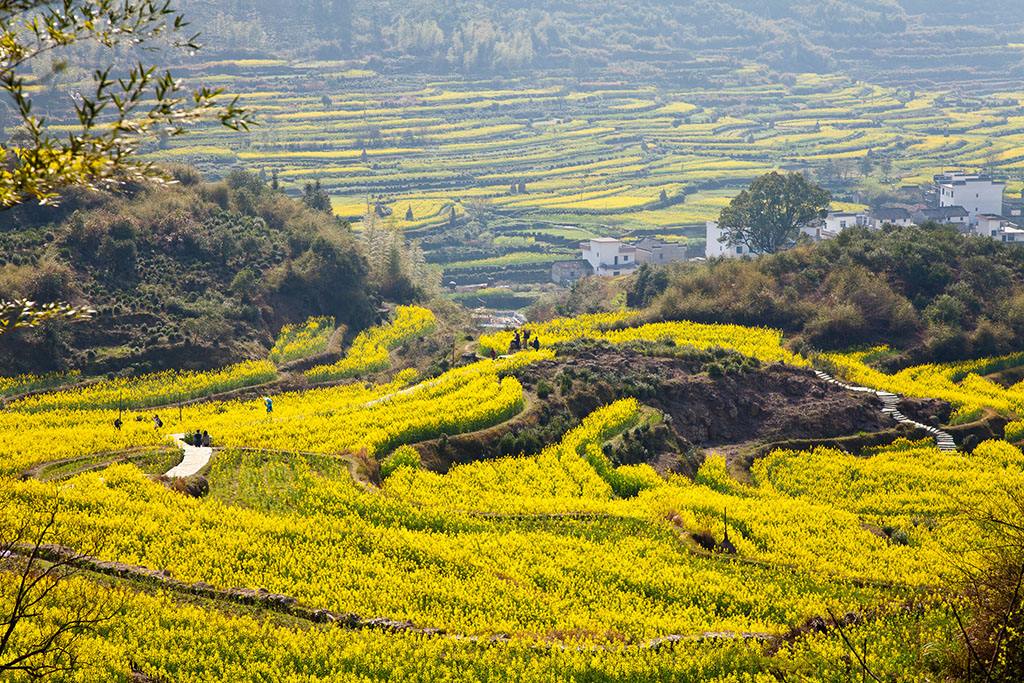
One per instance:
(194, 458)
(891, 407)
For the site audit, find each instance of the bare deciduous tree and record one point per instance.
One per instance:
(43, 612)
(990, 612)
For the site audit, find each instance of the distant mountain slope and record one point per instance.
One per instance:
(186, 275)
(502, 36)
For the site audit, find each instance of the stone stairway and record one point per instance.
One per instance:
(891, 406)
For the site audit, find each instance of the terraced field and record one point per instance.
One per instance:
(449, 161)
(563, 563)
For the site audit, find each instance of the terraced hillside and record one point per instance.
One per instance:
(511, 174)
(314, 546)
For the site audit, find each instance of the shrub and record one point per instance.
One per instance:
(544, 389)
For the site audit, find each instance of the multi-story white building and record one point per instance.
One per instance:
(977, 194)
(609, 256)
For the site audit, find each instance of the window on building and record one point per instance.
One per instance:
(625, 259)
(739, 250)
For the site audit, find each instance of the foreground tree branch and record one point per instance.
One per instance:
(114, 114)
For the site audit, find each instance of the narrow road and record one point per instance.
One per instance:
(891, 407)
(194, 458)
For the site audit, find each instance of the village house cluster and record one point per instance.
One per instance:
(609, 257)
(974, 204)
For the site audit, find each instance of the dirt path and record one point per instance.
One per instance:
(403, 392)
(891, 407)
(194, 458)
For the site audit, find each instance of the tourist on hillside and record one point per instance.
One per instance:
(536, 343)
(206, 441)
(117, 424)
(269, 402)
(157, 422)
(494, 354)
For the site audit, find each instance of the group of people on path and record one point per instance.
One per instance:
(199, 439)
(521, 341)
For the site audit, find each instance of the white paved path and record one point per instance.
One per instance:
(194, 458)
(891, 406)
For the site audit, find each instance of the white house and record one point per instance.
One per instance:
(609, 256)
(988, 225)
(715, 248)
(837, 221)
(1011, 234)
(897, 216)
(998, 228)
(947, 215)
(977, 194)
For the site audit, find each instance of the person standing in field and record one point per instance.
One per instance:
(269, 403)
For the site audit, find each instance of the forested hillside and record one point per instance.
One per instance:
(649, 36)
(186, 275)
(932, 291)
